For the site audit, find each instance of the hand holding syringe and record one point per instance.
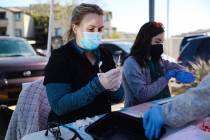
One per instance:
(111, 80)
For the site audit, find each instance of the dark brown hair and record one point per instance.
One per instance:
(141, 47)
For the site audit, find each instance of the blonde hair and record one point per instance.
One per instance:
(78, 14)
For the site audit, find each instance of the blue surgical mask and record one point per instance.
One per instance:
(91, 40)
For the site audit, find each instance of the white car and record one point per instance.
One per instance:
(125, 47)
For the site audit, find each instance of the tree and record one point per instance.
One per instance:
(41, 12)
(41, 30)
(115, 35)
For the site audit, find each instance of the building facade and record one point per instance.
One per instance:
(14, 22)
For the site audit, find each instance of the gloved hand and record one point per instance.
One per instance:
(153, 121)
(111, 80)
(185, 77)
(170, 73)
(119, 81)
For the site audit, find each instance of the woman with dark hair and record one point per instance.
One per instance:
(74, 88)
(145, 73)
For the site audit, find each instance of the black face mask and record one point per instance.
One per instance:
(156, 51)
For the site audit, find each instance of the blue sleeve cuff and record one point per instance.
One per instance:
(96, 86)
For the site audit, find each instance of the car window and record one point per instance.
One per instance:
(10, 48)
(112, 48)
(125, 46)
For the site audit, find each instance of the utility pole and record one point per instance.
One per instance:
(168, 4)
(151, 10)
(51, 20)
(167, 32)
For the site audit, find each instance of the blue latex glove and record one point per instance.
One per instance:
(153, 121)
(185, 77)
(170, 73)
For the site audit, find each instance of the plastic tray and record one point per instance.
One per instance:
(118, 126)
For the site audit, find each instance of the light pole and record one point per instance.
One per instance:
(151, 10)
(167, 32)
(51, 20)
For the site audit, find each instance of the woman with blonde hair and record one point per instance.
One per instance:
(74, 88)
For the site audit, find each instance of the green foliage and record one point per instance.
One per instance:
(41, 12)
(115, 35)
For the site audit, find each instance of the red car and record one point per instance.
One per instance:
(19, 63)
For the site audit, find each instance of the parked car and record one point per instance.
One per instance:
(19, 63)
(186, 39)
(114, 46)
(197, 48)
(125, 47)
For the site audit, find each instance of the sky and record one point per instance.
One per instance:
(130, 15)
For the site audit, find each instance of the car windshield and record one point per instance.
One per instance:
(15, 47)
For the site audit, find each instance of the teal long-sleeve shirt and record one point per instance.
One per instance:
(63, 100)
